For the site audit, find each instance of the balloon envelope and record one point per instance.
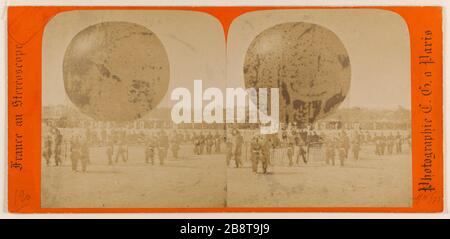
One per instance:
(115, 71)
(307, 62)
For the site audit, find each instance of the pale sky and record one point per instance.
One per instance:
(377, 42)
(194, 43)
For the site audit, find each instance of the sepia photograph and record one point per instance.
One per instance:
(108, 140)
(291, 108)
(345, 107)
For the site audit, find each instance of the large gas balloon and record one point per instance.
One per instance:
(116, 71)
(309, 64)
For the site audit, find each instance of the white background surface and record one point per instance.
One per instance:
(3, 97)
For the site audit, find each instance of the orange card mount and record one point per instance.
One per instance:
(91, 122)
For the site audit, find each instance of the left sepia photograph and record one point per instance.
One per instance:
(108, 140)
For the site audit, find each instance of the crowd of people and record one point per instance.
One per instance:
(342, 144)
(75, 144)
(294, 144)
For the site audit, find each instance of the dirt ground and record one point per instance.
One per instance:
(371, 181)
(194, 181)
(205, 181)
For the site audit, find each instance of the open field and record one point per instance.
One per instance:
(205, 181)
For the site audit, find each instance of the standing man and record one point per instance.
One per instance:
(255, 152)
(75, 153)
(377, 140)
(390, 141)
(84, 156)
(163, 146)
(121, 152)
(356, 146)
(150, 150)
(229, 150)
(109, 152)
(201, 139)
(408, 140)
(58, 146)
(47, 149)
(301, 143)
(382, 144)
(266, 146)
(284, 136)
(175, 144)
(330, 150)
(342, 156)
(398, 143)
(217, 142)
(238, 141)
(196, 143)
(209, 140)
(290, 153)
(345, 141)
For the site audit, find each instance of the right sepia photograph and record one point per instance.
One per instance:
(344, 108)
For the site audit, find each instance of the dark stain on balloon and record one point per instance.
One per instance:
(82, 99)
(78, 66)
(104, 71)
(139, 93)
(305, 32)
(116, 78)
(146, 34)
(334, 100)
(81, 96)
(316, 110)
(133, 34)
(318, 63)
(311, 83)
(344, 60)
(302, 108)
(317, 95)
